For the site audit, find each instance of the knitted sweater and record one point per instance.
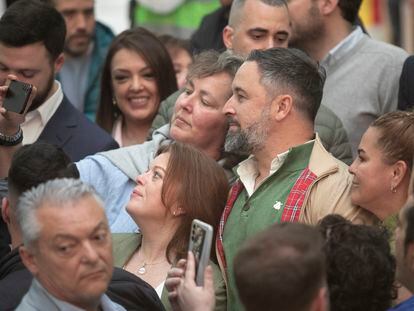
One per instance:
(362, 84)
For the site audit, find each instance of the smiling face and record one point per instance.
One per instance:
(72, 258)
(259, 26)
(80, 24)
(198, 117)
(371, 186)
(134, 86)
(145, 203)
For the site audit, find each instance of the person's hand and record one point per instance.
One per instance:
(193, 297)
(174, 277)
(10, 121)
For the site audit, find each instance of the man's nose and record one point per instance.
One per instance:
(89, 255)
(228, 108)
(80, 21)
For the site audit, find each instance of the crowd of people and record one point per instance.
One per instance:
(292, 137)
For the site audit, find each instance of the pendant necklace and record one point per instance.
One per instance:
(142, 269)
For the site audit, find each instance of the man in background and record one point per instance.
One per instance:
(264, 24)
(86, 45)
(32, 36)
(362, 73)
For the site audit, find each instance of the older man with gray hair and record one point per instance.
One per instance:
(67, 247)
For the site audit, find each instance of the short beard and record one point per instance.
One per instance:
(250, 140)
(42, 95)
(237, 143)
(306, 35)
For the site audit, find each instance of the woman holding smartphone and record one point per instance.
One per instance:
(181, 184)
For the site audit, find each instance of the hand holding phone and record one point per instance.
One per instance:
(200, 245)
(17, 96)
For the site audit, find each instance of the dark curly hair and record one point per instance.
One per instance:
(360, 266)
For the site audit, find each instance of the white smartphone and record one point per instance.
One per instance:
(201, 237)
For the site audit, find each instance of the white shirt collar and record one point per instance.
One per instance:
(248, 172)
(343, 47)
(36, 120)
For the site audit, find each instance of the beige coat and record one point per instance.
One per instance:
(330, 192)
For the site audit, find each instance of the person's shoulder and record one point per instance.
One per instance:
(409, 62)
(127, 238)
(383, 48)
(132, 292)
(103, 31)
(323, 163)
(89, 129)
(404, 306)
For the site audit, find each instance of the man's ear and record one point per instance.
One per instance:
(28, 259)
(5, 212)
(60, 60)
(228, 37)
(326, 7)
(281, 106)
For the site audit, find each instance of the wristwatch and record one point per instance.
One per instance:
(13, 140)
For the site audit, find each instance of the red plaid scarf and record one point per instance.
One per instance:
(291, 211)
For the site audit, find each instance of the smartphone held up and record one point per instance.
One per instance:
(200, 245)
(17, 96)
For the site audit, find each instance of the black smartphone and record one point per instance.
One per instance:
(17, 96)
(200, 244)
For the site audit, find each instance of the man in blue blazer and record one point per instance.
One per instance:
(32, 36)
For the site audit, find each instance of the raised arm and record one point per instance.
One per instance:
(11, 134)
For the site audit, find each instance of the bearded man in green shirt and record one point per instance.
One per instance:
(289, 176)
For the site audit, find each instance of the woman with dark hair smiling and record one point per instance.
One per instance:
(181, 184)
(137, 75)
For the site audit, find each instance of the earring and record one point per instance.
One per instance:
(393, 189)
(174, 213)
(114, 103)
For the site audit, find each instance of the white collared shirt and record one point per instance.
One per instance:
(37, 119)
(343, 47)
(248, 172)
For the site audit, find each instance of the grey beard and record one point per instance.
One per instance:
(246, 142)
(237, 143)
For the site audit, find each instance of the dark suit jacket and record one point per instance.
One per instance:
(79, 137)
(406, 91)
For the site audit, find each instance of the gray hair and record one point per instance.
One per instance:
(237, 5)
(57, 193)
